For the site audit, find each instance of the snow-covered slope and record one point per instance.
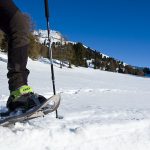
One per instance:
(55, 36)
(102, 111)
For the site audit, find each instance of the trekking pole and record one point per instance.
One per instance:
(49, 47)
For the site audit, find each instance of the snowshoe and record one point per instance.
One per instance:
(21, 114)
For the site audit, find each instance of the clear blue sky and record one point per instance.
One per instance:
(118, 28)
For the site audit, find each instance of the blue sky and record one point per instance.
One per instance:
(118, 28)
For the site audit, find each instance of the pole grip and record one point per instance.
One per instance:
(46, 9)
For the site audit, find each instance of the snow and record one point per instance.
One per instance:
(55, 36)
(102, 111)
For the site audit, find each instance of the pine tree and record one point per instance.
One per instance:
(146, 70)
(79, 58)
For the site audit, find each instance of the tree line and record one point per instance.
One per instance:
(78, 55)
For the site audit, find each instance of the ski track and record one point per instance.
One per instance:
(102, 111)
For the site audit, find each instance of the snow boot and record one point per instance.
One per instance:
(24, 98)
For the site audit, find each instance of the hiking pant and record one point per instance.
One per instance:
(16, 27)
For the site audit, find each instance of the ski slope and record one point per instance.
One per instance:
(102, 111)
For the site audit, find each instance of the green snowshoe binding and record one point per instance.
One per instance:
(24, 98)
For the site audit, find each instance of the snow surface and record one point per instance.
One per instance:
(102, 111)
(55, 36)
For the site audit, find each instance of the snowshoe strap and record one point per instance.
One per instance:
(35, 98)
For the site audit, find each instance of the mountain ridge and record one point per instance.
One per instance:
(96, 60)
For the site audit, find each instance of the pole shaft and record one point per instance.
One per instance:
(46, 9)
(49, 48)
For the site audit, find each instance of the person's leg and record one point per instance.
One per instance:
(16, 26)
